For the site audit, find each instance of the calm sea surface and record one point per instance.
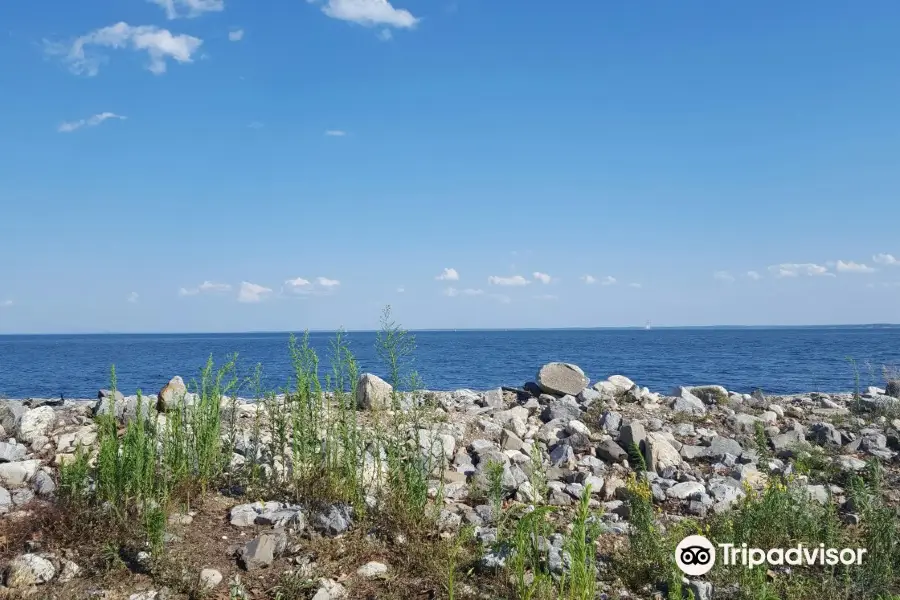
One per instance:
(779, 360)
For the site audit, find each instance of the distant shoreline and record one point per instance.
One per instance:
(864, 326)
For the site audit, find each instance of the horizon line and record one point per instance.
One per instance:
(467, 329)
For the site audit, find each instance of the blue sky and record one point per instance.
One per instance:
(210, 165)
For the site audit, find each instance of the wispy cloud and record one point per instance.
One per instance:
(796, 269)
(236, 35)
(852, 267)
(189, 8)
(159, 44)
(252, 292)
(369, 13)
(884, 284)
(304, 287)
(205, 287)
(327, 283)
(723, 276)
(542, 277)
(501, 298)
(635, 285)
(298, 286)
(401, 290)
(70, 126)
(133, 297)
(385, 35)
(514, 280)
(255, 125)
(546, 297)
(449, 274)
(590, 279)
(753, 275)
(453, 292)
(886, 259)
(6, 303)
(335, 133)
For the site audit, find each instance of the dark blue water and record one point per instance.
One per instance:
(780, 360)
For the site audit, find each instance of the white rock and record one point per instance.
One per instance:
(15, 474)
(36, 423)
(437, 445)
(621, 383)
(210, 578)
(659, 453)
(372, 570)
(575, 426)
(686, 490)
(28, 570)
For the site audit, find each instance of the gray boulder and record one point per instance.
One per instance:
(259, 553)
(611, 452)
(632, 434)
(564, 409)
(686, 402)
(373, 392)
(892, 388)
(171, 395)
(12, 452)
(334, 520)
(562, 379)
(720, 446)
(10, 413)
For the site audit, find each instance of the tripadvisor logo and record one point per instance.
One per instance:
(695, 555)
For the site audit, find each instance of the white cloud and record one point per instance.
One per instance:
(335, 133)
(251, 292)
(852, 267)
(159, 44)
(590, 279)
(795, 269)
(754, 275)
(385, 35)
(133, 297)
(191, 8)
(501, 298)
(70, 126)
(400, 290)
(236, 35)
(635, 285)
(542, 277)
(450, 274)
(723, 276)
(327, 283)
(6, 304)
(298, 286)
(369, 13)
(205, 287)
(453, 292)
(546, 297)
(886, 259)
(255, 125)
(514, 280)
(304, 287)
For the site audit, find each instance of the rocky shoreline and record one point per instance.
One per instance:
(561, 439)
